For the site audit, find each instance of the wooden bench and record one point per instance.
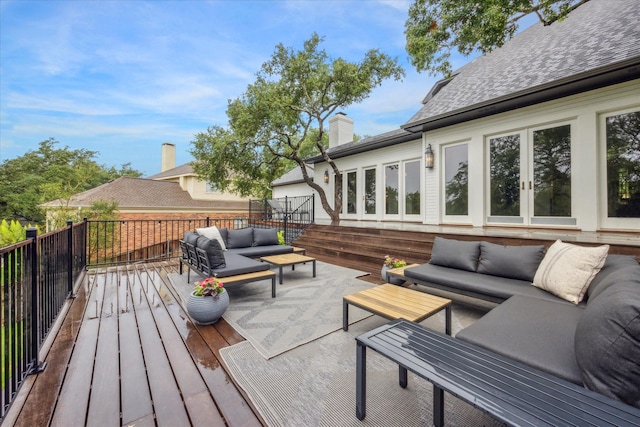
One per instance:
(509, 391)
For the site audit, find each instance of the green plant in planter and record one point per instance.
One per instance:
(281, 240)
(209, 286)
(394, 262)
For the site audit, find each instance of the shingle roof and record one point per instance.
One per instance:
(592, 38)
(386, 139)
(134, 193)
(181, 170)
(294, 176)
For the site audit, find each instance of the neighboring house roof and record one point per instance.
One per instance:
(181, 170)
(139, 193)
(366, 144)
(294, 176)
(597, 45)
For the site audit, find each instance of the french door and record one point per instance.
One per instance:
(530, 177)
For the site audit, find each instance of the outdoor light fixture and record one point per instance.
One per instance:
(428, 157)
(326, 176)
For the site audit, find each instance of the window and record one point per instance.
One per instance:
(352, 191)
(456, 177)
(211, 188)
(552, 171)
(412, 188)
(391, 186)
(370, 191)
(621, 148)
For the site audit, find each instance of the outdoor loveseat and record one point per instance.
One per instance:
(571, 311)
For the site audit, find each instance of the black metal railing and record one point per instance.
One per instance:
(37, 276)
(291, 214)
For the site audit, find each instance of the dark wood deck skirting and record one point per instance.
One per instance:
(127, 354)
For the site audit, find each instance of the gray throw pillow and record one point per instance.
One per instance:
(265, 236)
(191, 237)
(458, 254)
(224, 232)
(607, 342)
(514, 262)
(615, 269)
(242, 238)
(214, 251)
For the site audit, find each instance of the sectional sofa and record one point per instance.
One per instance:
(224, 253)
(568, 310)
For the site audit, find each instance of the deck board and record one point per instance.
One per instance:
(144, 363)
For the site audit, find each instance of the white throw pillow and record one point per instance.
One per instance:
(212, 233)
(567, 270)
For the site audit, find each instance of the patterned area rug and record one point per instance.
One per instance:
(314, 384)
(304, 309)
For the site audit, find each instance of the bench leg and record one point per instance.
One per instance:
(181, 267)
(314, 268)
(345, 315)
(361, 381)
(402, 374)
(280, 274)
(438, 407)
(447, 320)
(273, 286)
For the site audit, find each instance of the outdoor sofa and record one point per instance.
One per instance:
(584, 327)
(215, 252)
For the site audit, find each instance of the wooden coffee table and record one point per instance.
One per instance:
(395, 302)
(289, 259)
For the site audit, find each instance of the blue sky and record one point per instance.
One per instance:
(122, 77)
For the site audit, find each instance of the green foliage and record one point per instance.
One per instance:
(280, 119)
(47, 174)
(281, 240)
(436, 27)
(12, 232)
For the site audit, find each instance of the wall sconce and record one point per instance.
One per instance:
(428, 157)
(326, 176)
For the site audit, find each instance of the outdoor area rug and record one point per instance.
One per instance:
(314, 384)
(305, 307)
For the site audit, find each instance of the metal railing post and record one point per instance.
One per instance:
(32, 234)
(70, 294)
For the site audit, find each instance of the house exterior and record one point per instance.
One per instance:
(174, 193)
(543, 132)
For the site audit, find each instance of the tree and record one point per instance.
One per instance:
(436, 27)
(47, 174)
(281, 118)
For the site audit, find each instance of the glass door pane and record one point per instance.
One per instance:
(412, 188)
(370, 192)
(623, 165)
(391, 189)
(352, 191)
(456, 175)
(552, 172)
(504, 178)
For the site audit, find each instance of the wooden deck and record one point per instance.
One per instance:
(127, 354)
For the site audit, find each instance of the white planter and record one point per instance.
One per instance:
(392, 280)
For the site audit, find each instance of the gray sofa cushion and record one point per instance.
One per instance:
(265, 236)
(191, 238)
(258, 251)
(214, 251)
(483, 286)
(224, 232)
(238, 264)
(458, 254)
(537, 332)
(241, 238)
(615, 268)
(515, 262)
(607, 342)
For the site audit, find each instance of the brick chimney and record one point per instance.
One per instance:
(168, 156)
(340, 130)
